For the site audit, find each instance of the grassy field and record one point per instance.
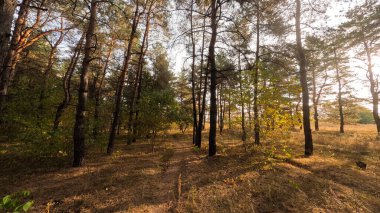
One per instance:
(176, 177)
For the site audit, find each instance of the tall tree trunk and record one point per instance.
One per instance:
(81, 112)
(373, 88)
(340, 101)
(7, 9)
(137, 81)
(244, 133)
(121, 82)
(193, 75)
(67, 83)
(256, 79)
(13, 54)
(221, 109)
(304, 85)
(213, 70)
(229, 110)
(315, 105)
(200, 126)
(249, 114)
(99, 87)
(316, 97)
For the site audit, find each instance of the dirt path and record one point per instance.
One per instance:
(174, 161)
(173, 176)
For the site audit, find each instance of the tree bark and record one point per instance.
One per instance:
(7, 9)
(121, 82)
(201, 122)
(244, 133)
(193, 74)
(202, 110)
(340, 101)
(222, 102)
(256, 79)
(99, 87)
(304, 84)
(316, 97)
(213, 70)
(373, 88)
(81, 111)
(138, 80)
(315, 105)
(67, 83)
(13, 54)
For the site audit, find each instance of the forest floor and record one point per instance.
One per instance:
(176, 177)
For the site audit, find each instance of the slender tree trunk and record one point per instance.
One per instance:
(249, 114)
(298, 113)
(340, 101)
(67, 83)
(193, 75)
(315, 105)
(373, 88)
(121, 82)
(81, 112)
(256, 79)
(213, 70)
(244, 133)
(13, 54)
(136, 115)
(221, 109)
(202, 110)
(132, 105)
(316, 97)
(204, 119)
(304, 84)
(7, 9)
(98, 92)
(47, 72)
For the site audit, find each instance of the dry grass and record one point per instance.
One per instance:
(274, 177)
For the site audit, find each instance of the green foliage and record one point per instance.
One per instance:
(365, 116)
(156, 111)
(277, 102)
(353, 113)
(17, 202)
(182, 117)
(182, 112)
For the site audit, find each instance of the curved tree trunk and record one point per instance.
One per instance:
(47, 72)
(67, 83)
